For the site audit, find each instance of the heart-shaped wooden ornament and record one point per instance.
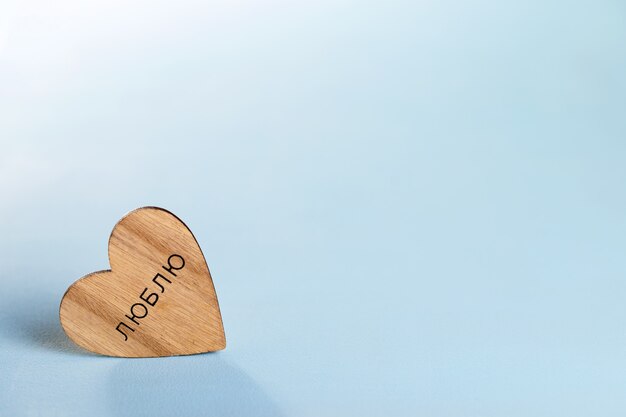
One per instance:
(157, 299)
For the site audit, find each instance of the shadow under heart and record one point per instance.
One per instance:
(196, 385)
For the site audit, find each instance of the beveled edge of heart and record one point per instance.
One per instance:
(90, 352)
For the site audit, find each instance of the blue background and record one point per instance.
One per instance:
(409, 208)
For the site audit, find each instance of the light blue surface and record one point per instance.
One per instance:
(409, 208)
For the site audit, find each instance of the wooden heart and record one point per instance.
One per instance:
(157, 299)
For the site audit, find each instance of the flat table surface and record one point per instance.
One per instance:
(408, 208)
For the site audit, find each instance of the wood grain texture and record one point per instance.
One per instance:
(184, 320)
